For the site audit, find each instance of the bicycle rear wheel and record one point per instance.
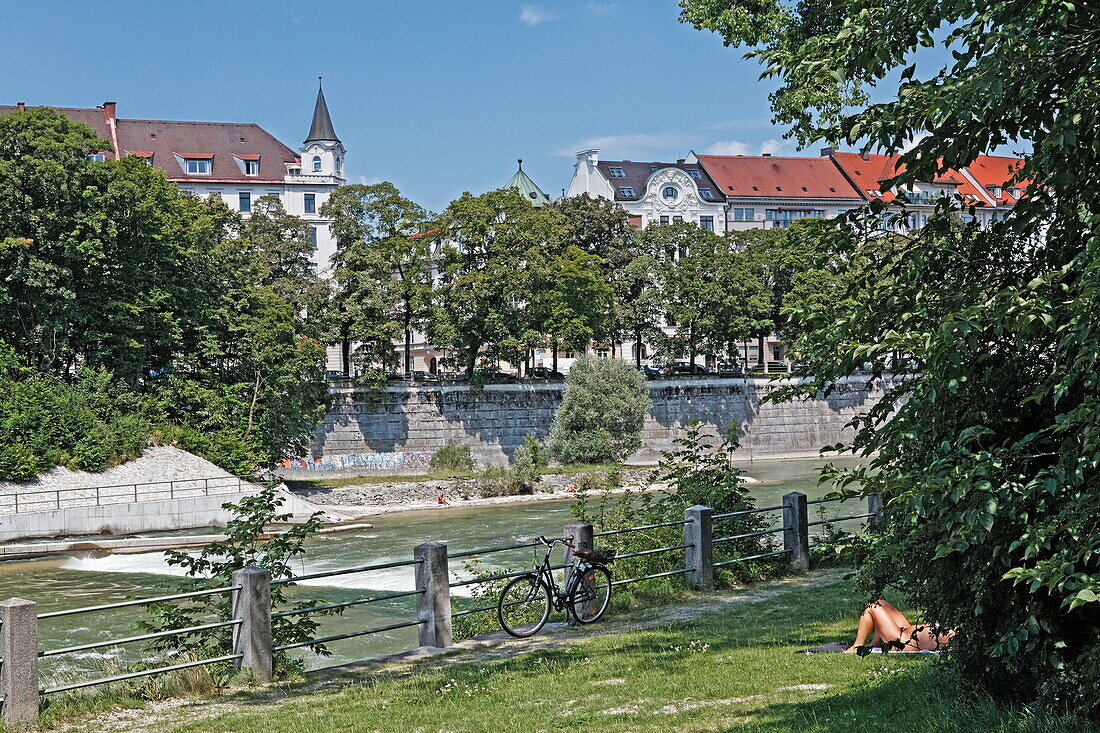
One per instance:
(524, 606)
(590, 597)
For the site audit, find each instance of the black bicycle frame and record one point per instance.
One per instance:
(545, 573)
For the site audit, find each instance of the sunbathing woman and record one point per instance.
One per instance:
(887, 627)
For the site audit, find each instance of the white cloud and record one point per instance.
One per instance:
(364, 181)
(630, 145)
(532, 15)
(776, 147)
(728, 147)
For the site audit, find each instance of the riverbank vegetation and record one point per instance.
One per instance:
(732, 667)
(986, 454)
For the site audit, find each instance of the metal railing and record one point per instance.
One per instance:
(253, 615)
(46, 500)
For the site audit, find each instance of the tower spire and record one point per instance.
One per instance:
(321, 129)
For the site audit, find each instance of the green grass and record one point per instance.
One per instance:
(341, 482)
(732, 670)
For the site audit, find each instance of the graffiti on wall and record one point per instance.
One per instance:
(360, 461)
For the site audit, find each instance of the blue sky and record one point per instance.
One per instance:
(438, 97)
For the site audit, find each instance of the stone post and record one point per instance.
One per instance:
(699, 560)
(433, 606)
(252, 636)
(19, 671)
(796, 535)
(578, 534)
(878, 511)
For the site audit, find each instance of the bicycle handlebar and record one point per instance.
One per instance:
(551, 543)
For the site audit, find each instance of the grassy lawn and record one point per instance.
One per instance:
(734, 669)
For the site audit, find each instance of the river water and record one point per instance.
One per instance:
(70, 582)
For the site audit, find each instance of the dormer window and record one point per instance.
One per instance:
(653, 168)
(97, 157)
(696, 174)
(316, 163)
(196, 166)
(874, 192)
(705, 193)
(252, 167)
(617, 172)
(627, 192)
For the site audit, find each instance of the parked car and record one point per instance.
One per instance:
(422, 376)
(650, 372)
(541, 372)
(730, 370)
(686, 367)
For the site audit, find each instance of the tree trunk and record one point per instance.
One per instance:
(345, 354)
(408, 351)
(638, 348)
(691, 349)
(555, 358)
(760, 349)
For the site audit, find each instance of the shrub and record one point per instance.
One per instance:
(527, 461)
(504, 481)
(698, 471)
(453, 457)
(601, 413)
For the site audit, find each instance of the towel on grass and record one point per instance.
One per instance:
(838, 648)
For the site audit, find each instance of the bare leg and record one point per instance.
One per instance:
(875, 618)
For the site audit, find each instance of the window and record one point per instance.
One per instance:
(245, 199)
(744, 214)
(627, 191)
(874, 192)
(97, 157)
(310, 200)
(313, 238)
(677, 219)
(252, 167)
(664, 220)
(696, 174)
(617, 172)
(316, 163)
(197, 166)
(570, 355)
(654, 168)
(706, 193)
(669, 193)
(603, 352)
(707, 222)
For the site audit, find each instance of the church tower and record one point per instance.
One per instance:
(322, 151)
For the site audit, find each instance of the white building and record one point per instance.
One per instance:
(239, 162)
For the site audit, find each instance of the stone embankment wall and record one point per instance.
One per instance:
(403, 427)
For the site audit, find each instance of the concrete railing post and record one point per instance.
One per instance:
(699, 560)
(19, 671)
(796, 535)
(252, 636)
(433, 606)
(876, 508)
(578, 534)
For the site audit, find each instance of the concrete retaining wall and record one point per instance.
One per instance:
(420, 419)
(142, 516)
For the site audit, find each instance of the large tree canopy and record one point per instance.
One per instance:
(988, 451)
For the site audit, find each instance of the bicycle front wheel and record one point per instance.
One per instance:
(524, 606)
(590, 597)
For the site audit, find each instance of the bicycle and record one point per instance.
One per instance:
(526, 601)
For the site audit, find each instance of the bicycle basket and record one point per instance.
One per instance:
(602, 555)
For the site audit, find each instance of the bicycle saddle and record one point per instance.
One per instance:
(584, 554)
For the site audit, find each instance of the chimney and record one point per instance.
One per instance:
(766, 155)
(109, 110)
(22, 106)
(826, 152)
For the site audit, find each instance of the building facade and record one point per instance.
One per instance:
(237, 162)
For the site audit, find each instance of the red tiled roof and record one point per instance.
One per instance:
(783, 177)
(998, 170)
(163, 138)
(868, 172)
(246, 157)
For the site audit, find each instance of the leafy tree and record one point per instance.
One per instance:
(383, 268)
(711, 293)
(480, 308)
(987, 453)
(601, 413)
